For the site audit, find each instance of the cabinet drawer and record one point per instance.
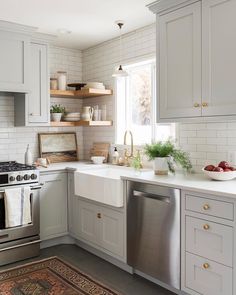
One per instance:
(208, 277)
(208, 239)
(210, 207)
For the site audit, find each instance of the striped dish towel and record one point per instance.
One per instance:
(17, 206)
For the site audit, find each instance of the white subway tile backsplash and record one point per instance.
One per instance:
(13, 140)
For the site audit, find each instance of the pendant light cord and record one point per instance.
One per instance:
(120, 27)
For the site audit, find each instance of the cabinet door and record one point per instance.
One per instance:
(207, 277)
(112, 231)
(72, 205)
(53, 206)
(219, 58)
(88, 221)
(209, 239)
(180, 63)
(14, 61)
(38, 99)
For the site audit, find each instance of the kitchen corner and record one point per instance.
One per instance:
(118, 147)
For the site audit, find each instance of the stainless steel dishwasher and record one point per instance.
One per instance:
(153, 231)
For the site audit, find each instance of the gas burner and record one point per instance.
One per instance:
(14, 166)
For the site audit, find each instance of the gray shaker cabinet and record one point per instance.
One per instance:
(32, 109)
(14, 61)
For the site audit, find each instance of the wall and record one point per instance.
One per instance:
(208, 143)
(13, 140)
(99, 63)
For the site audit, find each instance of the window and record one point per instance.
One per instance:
(135, 106)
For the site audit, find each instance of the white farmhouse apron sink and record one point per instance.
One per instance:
(102, 185)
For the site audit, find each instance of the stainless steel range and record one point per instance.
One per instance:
(19, 242)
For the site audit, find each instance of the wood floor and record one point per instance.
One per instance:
(101, 270)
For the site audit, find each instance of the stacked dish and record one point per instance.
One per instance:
(71, 117)
(94, 85)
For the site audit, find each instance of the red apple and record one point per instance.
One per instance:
(224, 164)
(209, 168)
(232, 168)
(218, 169)
(227, 170)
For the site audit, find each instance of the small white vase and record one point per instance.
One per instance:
(56, 117)
(161, 166)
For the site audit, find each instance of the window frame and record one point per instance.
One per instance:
(154, 124)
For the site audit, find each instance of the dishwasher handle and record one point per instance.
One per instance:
(151, 196)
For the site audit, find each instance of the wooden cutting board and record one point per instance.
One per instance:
(100, 149)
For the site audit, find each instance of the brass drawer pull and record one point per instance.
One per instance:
(197, 105)
(206, 265)
(206, 207)
(205, 104)
(206, 226)
(99, 215)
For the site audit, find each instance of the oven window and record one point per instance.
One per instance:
(4, 179)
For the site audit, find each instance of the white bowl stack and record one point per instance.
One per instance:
(71, 117)
(94, 85)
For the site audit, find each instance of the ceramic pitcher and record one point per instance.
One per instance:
(87, 113)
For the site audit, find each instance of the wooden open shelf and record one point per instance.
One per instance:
(84, 93)
(82, 123)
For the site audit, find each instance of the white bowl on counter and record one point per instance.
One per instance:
(97, 160)
(221, 176)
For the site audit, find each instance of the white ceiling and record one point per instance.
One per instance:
(90, 21)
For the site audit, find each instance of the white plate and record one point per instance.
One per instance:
(220, 175)
(71, 119)
(72, 115)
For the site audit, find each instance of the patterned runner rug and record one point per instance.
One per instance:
(51, 276)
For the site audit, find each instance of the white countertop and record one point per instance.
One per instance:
(192, 182)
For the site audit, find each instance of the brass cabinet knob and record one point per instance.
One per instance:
(206, 207)
(206, 226)
(197, 105)
(205, 104)
(206, 265)
(99, 215)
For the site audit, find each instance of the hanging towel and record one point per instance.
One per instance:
(17, 206)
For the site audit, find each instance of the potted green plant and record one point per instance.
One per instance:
(165, 154)
(56, 112)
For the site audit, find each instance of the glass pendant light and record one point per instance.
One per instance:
(120, 72)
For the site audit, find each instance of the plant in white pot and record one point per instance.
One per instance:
(56, 112)
(164, 155)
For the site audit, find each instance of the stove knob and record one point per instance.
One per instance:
(19, 178)
(34, 176)
(12, 178)
(26, 177)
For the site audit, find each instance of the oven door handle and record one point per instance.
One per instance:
(36, 187)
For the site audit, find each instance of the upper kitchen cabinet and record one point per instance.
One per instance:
(38, 98)
(14, 57)
(33, 108)
(196, 59)
(180, 63)
(218, 58)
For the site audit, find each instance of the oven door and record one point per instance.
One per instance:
(24, 231)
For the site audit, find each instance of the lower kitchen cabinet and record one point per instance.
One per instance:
(208, 239)
(100, 226)
(53, 205)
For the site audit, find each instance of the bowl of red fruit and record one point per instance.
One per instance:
(224, 171)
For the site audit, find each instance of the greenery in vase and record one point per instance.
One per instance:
(168, 149)
(57, 109)
(137, 162)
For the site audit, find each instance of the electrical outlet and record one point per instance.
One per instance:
(232, 157)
